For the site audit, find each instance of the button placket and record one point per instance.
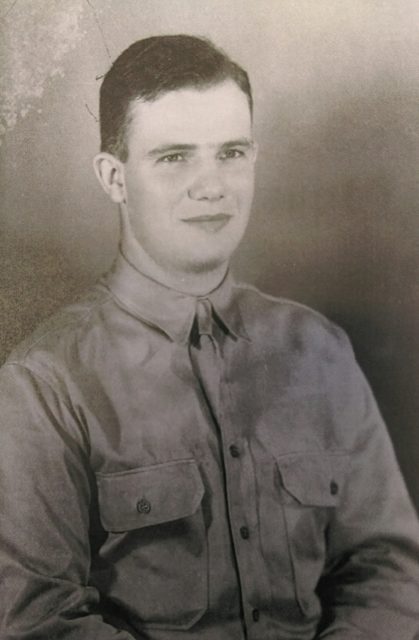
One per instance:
(235, 462)
(242, 510)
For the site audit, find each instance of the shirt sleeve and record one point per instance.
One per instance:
(370, 587)
(45, 491)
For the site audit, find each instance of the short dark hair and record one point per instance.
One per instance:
(153, 66)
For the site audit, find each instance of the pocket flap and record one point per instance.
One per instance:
(149, 495)
(313, 479)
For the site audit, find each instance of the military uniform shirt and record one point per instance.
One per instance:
(136, 505)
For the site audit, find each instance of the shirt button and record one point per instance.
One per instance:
(334, 488)
(244, 532)
(256, 615)
(234, 451)
(143, 506)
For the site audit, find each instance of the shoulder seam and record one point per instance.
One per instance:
(83, 318)
(281, 300)
(291, 303)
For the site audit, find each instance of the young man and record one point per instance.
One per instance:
(182, 456)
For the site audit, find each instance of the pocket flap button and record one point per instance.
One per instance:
(334, 488)
(143, 506)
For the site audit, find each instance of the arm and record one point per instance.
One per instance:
(44, 525)
(370, 588)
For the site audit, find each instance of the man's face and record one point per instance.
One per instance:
(189, 176)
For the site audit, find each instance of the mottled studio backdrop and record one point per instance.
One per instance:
(336, 214)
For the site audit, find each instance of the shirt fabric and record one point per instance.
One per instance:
(142, 498)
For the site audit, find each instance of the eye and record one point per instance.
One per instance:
(172, 158)
(232, 154)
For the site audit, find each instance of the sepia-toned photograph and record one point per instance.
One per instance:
(209, 320)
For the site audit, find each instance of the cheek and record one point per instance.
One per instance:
(244, 193)
(157, 187)
(171, 183)
(241, 180)
(155, 204)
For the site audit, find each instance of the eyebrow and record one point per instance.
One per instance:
(172, 147)
(169, 148)
(240, 142)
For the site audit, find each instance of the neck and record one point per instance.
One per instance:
(195, 284)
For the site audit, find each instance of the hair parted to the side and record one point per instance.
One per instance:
(152, 67)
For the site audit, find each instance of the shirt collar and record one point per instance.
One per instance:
(171, 311)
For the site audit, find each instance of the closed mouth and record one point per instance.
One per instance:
(217, 217)
(211, 223)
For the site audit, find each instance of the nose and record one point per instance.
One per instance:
(207, 184)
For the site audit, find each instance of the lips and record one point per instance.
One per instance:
(209, 222)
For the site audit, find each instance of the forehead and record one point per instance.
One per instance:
(211, 115)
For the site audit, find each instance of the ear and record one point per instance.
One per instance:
(110, 173)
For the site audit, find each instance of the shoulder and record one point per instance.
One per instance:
(292, 323)
(57, 340)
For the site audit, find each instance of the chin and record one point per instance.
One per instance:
(206, 264)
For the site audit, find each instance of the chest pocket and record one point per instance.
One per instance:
(310, 489)
(154, 562)
(312, 480)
